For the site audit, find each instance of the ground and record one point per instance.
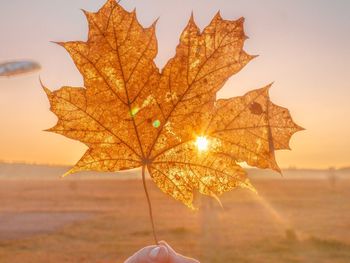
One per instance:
(300, 220)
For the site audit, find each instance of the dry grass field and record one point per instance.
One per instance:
(44, 221)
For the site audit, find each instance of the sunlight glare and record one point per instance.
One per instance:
(202, 143)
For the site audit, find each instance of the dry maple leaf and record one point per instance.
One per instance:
(131, 115)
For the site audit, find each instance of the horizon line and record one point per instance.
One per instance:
(292, 167)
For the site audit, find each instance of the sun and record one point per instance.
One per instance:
(202, 143)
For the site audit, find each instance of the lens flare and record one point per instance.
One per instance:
(202, 143)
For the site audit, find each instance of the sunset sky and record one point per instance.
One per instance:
(304, 47)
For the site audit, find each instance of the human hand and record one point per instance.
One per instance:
(162, 253)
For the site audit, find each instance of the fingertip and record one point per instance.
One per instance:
(159, 254)
(163, 243)
(153, 254)
(163, 254)
(141, 256)
(176, 257)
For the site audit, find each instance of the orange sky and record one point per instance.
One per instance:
(303, 47)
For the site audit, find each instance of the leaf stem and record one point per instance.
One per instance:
(149, 204)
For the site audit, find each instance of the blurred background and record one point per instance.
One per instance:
(304, 216)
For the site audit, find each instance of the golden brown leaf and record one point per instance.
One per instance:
(251, 128)
(131, 115)
(190, 80)
(183, 169)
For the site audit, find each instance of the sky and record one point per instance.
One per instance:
(303, 46)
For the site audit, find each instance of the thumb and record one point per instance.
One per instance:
(150, 254)
(176, 257)
(159, 254)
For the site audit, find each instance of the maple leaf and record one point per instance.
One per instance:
(131, 115)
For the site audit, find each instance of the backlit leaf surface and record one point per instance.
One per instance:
(131, 114)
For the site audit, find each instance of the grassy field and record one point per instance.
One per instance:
(107, 220)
